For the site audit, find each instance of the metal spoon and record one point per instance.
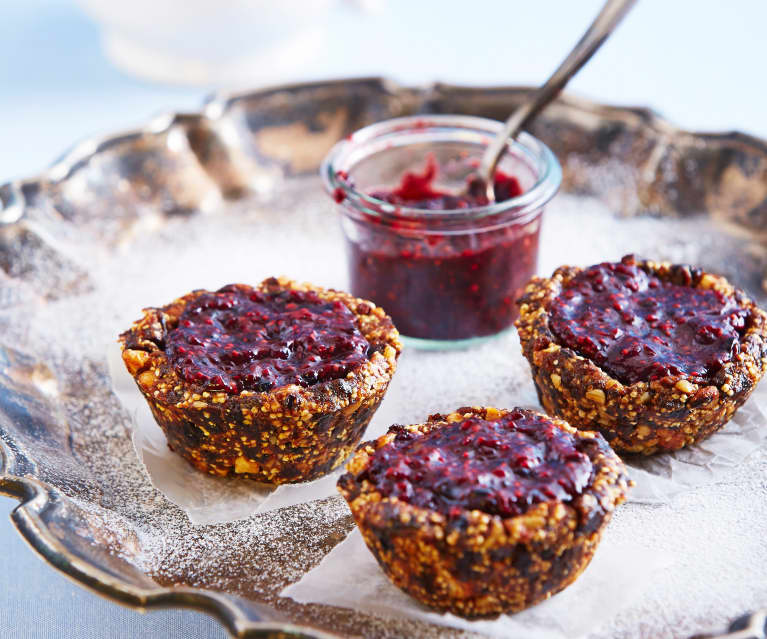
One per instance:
(604, 24)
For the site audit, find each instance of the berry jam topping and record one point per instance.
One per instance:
(638, 327)
(500, 467)
(447, 285)
(416, 190)
(239, 338)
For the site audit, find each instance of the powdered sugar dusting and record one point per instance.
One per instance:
(714, 533)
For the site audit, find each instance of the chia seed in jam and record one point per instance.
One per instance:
(500, 467)
(416, 190)
(436, 283)
(638, 327)
(239, 339)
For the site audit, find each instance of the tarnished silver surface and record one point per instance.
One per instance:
(86, 505)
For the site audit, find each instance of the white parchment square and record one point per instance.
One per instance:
(618, 573)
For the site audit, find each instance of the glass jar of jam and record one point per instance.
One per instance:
(446, 264)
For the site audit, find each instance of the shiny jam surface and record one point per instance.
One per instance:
(440, 285)
(637, 327)
(239, 338)
(500, 467)
(416, 190)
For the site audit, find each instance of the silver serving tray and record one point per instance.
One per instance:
(86, 505)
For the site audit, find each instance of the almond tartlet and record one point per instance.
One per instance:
(656, 356)
(275, 383)
(484, 511)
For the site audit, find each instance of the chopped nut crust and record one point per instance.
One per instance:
(476, 564)
(644, 417)
(291, 433)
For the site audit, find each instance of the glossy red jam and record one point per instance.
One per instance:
(637, 327)
(436, 283)
(238, 338)
(500, 467)
(416, 190)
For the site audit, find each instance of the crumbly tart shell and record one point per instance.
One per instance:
(643, 417)
(289, 434)
(480, 565)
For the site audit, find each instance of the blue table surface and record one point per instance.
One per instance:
(698, 62)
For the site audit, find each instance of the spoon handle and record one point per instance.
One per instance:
(604, 24)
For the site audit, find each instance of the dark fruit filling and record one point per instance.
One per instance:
(239, 339)
(416, 190)
(447, 285)
(500, 467)
(638, 327)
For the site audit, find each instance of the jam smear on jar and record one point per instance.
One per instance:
(638, 327)
(239, 338)
(440, 284)
(500, 467)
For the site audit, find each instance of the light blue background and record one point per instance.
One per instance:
(698, 62)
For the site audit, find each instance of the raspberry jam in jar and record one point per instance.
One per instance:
(442, 261)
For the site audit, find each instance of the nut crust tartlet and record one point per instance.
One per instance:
(656, 356)
(275, 383)
(484, 511)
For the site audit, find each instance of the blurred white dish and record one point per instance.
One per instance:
(212, 43)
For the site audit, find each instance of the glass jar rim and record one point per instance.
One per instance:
(545, 164)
